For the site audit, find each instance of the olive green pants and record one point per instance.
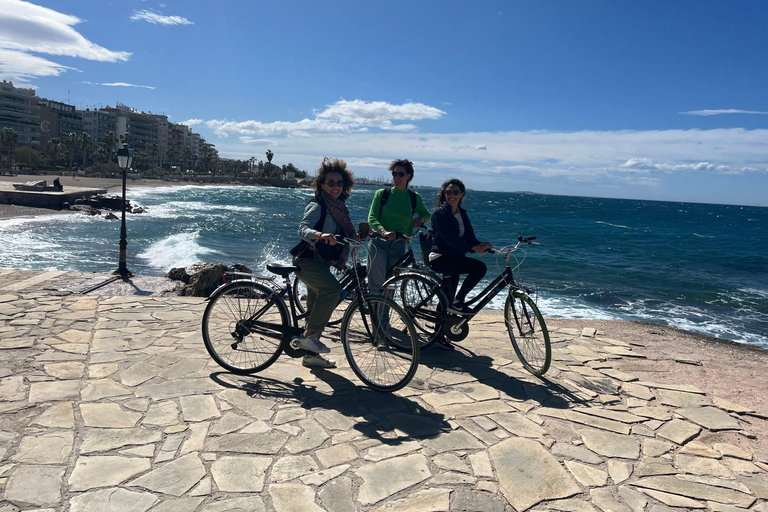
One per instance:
(323, 290)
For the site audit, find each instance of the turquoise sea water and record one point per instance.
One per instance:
(699, 267)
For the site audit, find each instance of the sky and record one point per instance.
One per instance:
(641, 100)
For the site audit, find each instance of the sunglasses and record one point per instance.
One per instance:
(398, 174)
(453, 192)
(332, 183)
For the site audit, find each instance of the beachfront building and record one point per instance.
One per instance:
(98, 124)
(137, 128)
(19, 110)
(58, 119)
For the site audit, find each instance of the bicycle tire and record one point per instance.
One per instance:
(231, 341)
(421, 298)
(381, 364)
(528, 333)
(300, 300)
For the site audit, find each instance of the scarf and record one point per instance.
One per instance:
(338, 209)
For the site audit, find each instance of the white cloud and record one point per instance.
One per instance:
(721, 111)
(341, 118)
(25, 27)
(191, 122)
(481, 147)
(159, 19)
(123, 84)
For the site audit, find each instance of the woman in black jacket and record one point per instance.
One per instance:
(454, 237)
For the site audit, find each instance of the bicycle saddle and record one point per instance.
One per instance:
(281, 269)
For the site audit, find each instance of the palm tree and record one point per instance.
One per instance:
(72, 141)
(8, 140)
(85, 146)
(270, 155)
(110, 140)
(102, 153)
(54, 149)
(154, 150)
(186, 153)
(170, 155)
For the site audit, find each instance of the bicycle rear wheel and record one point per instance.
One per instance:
(380, 343)
(421, 298)
(528, 332)
(242, 326)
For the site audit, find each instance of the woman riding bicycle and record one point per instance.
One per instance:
(325, 216)
(392, 212)
(454, 237)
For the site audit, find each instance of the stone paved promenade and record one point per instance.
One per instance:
(111, 403)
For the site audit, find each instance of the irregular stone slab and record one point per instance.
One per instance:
(54, 391)
(701, 466)
(334, 420)
(179, 505)
(247, 504)
(292, 466)
(686, 388)
(103, 388)
(113, 500)
(293, 498)
(335, 455)
(320, 477)
(674, 500)
(108, 416)
(256, 408)
(729, 406)
(338, 495)
(158, 391)
(265, 444)
(678, 431)
(13, 389)
(576, 452)
(196, 440)
(656, 447)
(418, 425)
(743, 467)
(36, 485)
(313, 436)
(632, 498)
(450, 462)
(17, 343)
(138, 374)
(656, 413)
(620, 416)
(455, 440)
(174, 478)
(53, 448)
(58, 415)
(162, 414)
(682, 399)
(199, 408)
(585, 419)
(717, 482)
(571, 505)
(619, 471)
(241, 473)
(65, 371)
(710, 418)
(474, 409)
(700, 450)
(433, 500)
(529, 474)
(606, 501)
(481, 464)
(230, 422)
(103, 439)
(730, 450)
(391, 476)
(587, 475)
(617, 374)
(609, 444)
(516, 423)
(105, 471)
(386, 451)
(437, 400)
(695, 490)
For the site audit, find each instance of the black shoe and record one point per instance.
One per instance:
(459, 308)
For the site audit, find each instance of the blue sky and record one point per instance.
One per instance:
(647, 100)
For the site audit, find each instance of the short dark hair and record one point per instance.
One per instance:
(328, 166)
(441, 193)
(405, 164)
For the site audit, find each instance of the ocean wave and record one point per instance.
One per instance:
(181, 250)
(615, 225)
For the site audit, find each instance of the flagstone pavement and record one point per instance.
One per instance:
(111, 403)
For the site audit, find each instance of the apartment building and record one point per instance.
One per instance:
(19, 110)
(58, 119)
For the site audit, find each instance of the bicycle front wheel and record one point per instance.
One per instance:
(242, 326)
(528, 332)
(422, 299)
(380, 343)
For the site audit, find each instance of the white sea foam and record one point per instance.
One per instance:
(615, 225)
(179, 250)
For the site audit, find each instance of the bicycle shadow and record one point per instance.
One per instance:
(388, 418)
(517, 385)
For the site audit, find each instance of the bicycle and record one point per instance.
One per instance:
(423, 298)
(247, 325)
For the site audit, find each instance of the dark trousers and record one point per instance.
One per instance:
(452, 266)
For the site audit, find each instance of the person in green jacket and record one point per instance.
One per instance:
(394, 210)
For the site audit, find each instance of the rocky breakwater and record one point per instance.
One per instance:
(97, 204)
(201, 279)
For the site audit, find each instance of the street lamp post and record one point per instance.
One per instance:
(124, 158)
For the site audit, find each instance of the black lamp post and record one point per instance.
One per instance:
(124, 158)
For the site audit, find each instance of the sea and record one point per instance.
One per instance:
(699, 267)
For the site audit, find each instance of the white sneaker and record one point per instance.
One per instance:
(312, 344)
(318, 362)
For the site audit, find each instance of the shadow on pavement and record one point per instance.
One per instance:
(387, 417)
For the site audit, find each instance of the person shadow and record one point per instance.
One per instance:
(386, 417)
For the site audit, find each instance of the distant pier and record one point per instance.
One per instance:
(54, 200)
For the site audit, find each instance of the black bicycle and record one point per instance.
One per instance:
(251, 320)
(422, 296)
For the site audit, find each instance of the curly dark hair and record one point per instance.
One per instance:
(330, 165)
(405, 164)
(441, 193)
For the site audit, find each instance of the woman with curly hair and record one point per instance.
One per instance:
(325, 216)
(454, 238)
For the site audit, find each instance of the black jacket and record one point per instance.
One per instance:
(446, 229)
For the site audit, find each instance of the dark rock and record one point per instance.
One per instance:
(178, 274)
(111, 216)
(139, 209)
(203, 278)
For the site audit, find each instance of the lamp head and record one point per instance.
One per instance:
(124, 157)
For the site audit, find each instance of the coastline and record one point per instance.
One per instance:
(113, 186)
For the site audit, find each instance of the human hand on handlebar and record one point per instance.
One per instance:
(328, 238)
(389, 235)
(482, 247)
(418, 222)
